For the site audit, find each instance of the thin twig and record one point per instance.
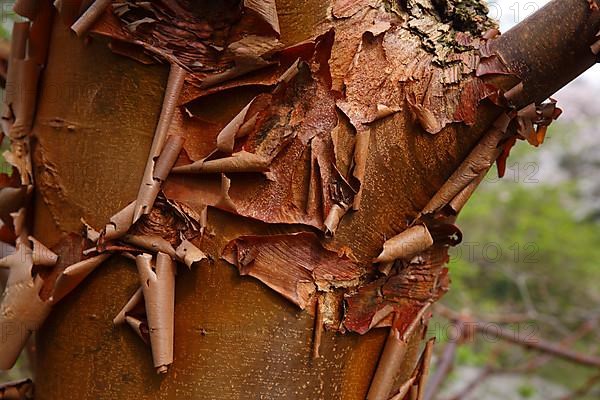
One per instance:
(583, 390)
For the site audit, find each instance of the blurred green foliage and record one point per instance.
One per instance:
(526, 251)
(4, 33)
(526, 391)
(7, 17)
(530, 235)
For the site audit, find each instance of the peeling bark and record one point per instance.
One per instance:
(406, 244)
(305, 141)
(393, 354)
(22, 311)
(90, 16)
(153, 177)
(296, 266)
(20, 390)
(73, 275)
(158, 286)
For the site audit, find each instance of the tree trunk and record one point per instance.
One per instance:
(379, 73)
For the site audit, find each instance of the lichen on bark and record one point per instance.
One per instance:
(443, 25)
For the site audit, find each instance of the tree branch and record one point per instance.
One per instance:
(550, 48)
(583, 390)
(532, 342)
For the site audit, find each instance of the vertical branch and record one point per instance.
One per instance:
(442, 370)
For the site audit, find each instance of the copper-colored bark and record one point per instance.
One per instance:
(358, 108)
(220, 317)
(549, 57)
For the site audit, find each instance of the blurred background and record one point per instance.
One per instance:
(529, 262)
(531, 256)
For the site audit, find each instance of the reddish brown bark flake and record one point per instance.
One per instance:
(406, 245)
(266, 10)
(19, 105)
(479, 160)
(90, 16)
(134, 303)
(213, 40)
(12, 198)
(134, 315)
(286, 138)
(157, 278)
(393, 354)
(73, 275)
(161, 154)
(18, 390)
(531, 124)
(27, 8)
(21, 309)
(422, 280)
(423, 368)
(296, 266)
(318, 328)
(403, 390)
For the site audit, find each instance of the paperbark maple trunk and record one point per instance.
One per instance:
(234, 337)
